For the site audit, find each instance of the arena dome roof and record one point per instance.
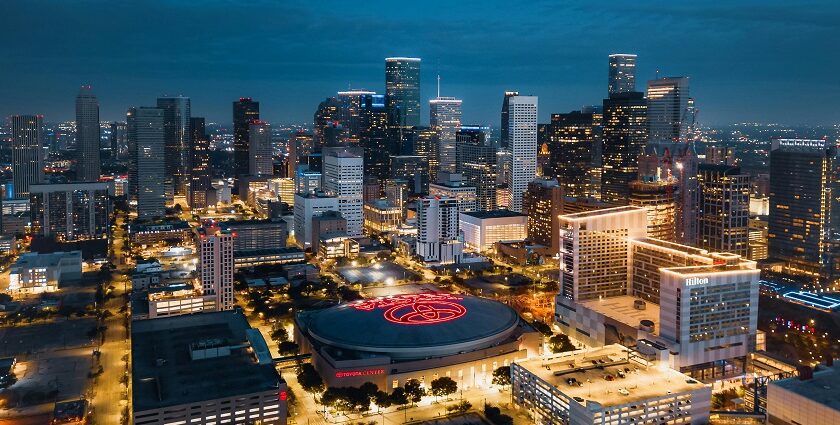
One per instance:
(414, 325)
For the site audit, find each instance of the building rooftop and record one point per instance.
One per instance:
(493, 214)
(823, 388)
(167, 371)
(590, 369)
(605, 211)
(622, 309)
(52, 259)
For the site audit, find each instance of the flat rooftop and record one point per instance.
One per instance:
(605, 211)
(823, 388)
(591, 367)
(493, 214)
(621, 309)
(164, 374)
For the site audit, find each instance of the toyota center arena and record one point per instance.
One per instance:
(424, 336)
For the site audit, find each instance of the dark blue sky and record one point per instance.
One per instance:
(767, 61)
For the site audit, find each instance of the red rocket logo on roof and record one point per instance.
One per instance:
(416, 309)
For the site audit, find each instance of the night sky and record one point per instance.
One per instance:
(766, 61)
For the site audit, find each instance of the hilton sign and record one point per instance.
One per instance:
(694, 281)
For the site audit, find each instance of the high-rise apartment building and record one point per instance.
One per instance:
(803, 185)
(624, 137)
(70, 211)
(200, 164)
(667, 109)
(343, 177)
(724, 209)
(402, 89)
(176, 128)
(27, 158)
(244, 111)
(146, 171)
(476, 162)
(437, 230)
(622, 73)
(445, 119)
(522, 143)
(87, 136)
(543, 204)
(215, 265)
(259, 149)
(570, 139)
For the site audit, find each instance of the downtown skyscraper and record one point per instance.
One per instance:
(176, 128)
(342, 177)
(259, 149)
(624, 138)
(146, 169)
(199, 164)
(244, 111)
(445, 119)
(622, 73)
(667, 109)
(27, 158)
(570, 141)
(88, 165)
(522, 144)
(476, 162)
(402, 90)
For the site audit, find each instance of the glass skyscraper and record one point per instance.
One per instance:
(87, 136)
(402, 88)
(244, 111)
(622, 74)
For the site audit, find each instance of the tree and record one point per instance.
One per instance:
(288, 348)
(560, 343)
(443, 387)
(382, 400)
(279, 334)
(398, 397)
(501, 376)
(310, 380)
(414, 390)
(460, 407)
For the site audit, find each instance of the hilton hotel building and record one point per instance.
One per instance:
(693, 309)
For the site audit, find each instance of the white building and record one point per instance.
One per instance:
(617, 286)
(607, 385)
(812, 400)
(437, 230)
(35, 273)
(482, 229)
(445, 119)
(259, 149)
(215, 266)
(307, 206)
(452, 185)
(343, 178)
(522, 143)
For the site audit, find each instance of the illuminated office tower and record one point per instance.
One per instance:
(522, 143)
(259, 149)
(505, 124)
(413, 170)
(622, 74)
(176, 128)
(27, 159)
(543, 204)
(803, 183)
(343, 175)
(373, 135)
(70, 211)
(476, 162)
(350, 111)
(199, 164)
(119, 141)
(244, 111)
(445, 119)
(402, 89)
(146, 170)
(624, 136)
(424, 141)
(327, 127)
(667, 109)
(215, 265)
(724, 209)
(570, 139)
(87, 136)
(657, 197)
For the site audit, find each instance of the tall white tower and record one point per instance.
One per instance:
(343, 174)
(445, 119)
(522, 143)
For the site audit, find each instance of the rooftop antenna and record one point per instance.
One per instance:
(438, 86)
(657, 74)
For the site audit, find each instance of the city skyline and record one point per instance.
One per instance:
(762, 83)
